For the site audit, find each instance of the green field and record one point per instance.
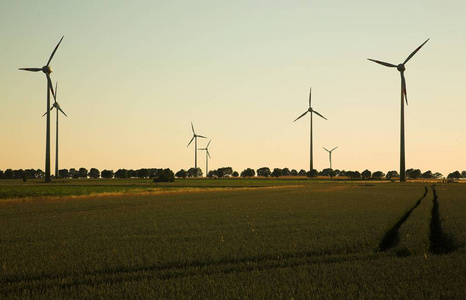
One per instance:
(301, 239)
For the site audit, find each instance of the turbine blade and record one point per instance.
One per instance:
(190, 142)
(334, 148)
(403, 87)
(319, 114)
(54, 50)
(326, 149)
(208, 153)
(383, 63)
(59, 108)
(56, 89)
(310, 91)
(208, 144)
(30, 69)
(47, 111)
(50, 84)
(301, 116)
(415, 51)
(201, 136)
(192, 126)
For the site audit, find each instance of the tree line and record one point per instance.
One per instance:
(155, 173)
(366, 174)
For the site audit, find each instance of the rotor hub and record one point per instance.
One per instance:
(401, 67)
(47, 69)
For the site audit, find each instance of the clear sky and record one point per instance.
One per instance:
(133, 75)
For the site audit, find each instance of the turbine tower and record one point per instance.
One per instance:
(47, 70)
(195, 136)
(310, 111)
(401, 68)
(207, 156)
(58, 108)
(330, 155)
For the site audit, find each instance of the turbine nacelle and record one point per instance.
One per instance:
(401, 67)
(309, 110)
(195, 136)
(47, 69)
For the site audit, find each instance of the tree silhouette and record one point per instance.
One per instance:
(378, 175)
(181, 173)
(454, 175)
(366, 174)
(194, 172)
(264, 172)
(248, 173)
(82, 173)
(413, 173)
(107, 174)
(312, 173)
(392, 174)
(277, 172)
(121, 173)
(94, 173)
(165, 175)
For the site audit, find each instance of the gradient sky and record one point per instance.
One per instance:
(133, 75)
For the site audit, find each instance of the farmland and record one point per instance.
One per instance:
(232, 239)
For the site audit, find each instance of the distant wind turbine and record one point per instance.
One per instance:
(310, 111)
(195, 136)
(401, 68)
(47, 70)
(58, 108)
(330, 155)
(207, 156)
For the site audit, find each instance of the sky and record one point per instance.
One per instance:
(133, 75)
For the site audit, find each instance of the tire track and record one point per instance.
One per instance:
(391, 237)
(440, 242)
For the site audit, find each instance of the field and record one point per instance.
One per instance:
(310, 239)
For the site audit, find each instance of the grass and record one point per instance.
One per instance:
(221, 239)
(78, 187)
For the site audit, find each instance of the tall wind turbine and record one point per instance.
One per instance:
(310, 111)
(207, 156)
(195, 136)
(330, 155)
(401, 68)
(58, 108)
(47, 70)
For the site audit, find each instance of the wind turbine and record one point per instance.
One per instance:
(330, 155)
(401, 68)
(47, 70)
(58, 108)
(310, 111)
(195, 136)
(207, 156)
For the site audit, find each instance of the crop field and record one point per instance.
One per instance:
(260, 239)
